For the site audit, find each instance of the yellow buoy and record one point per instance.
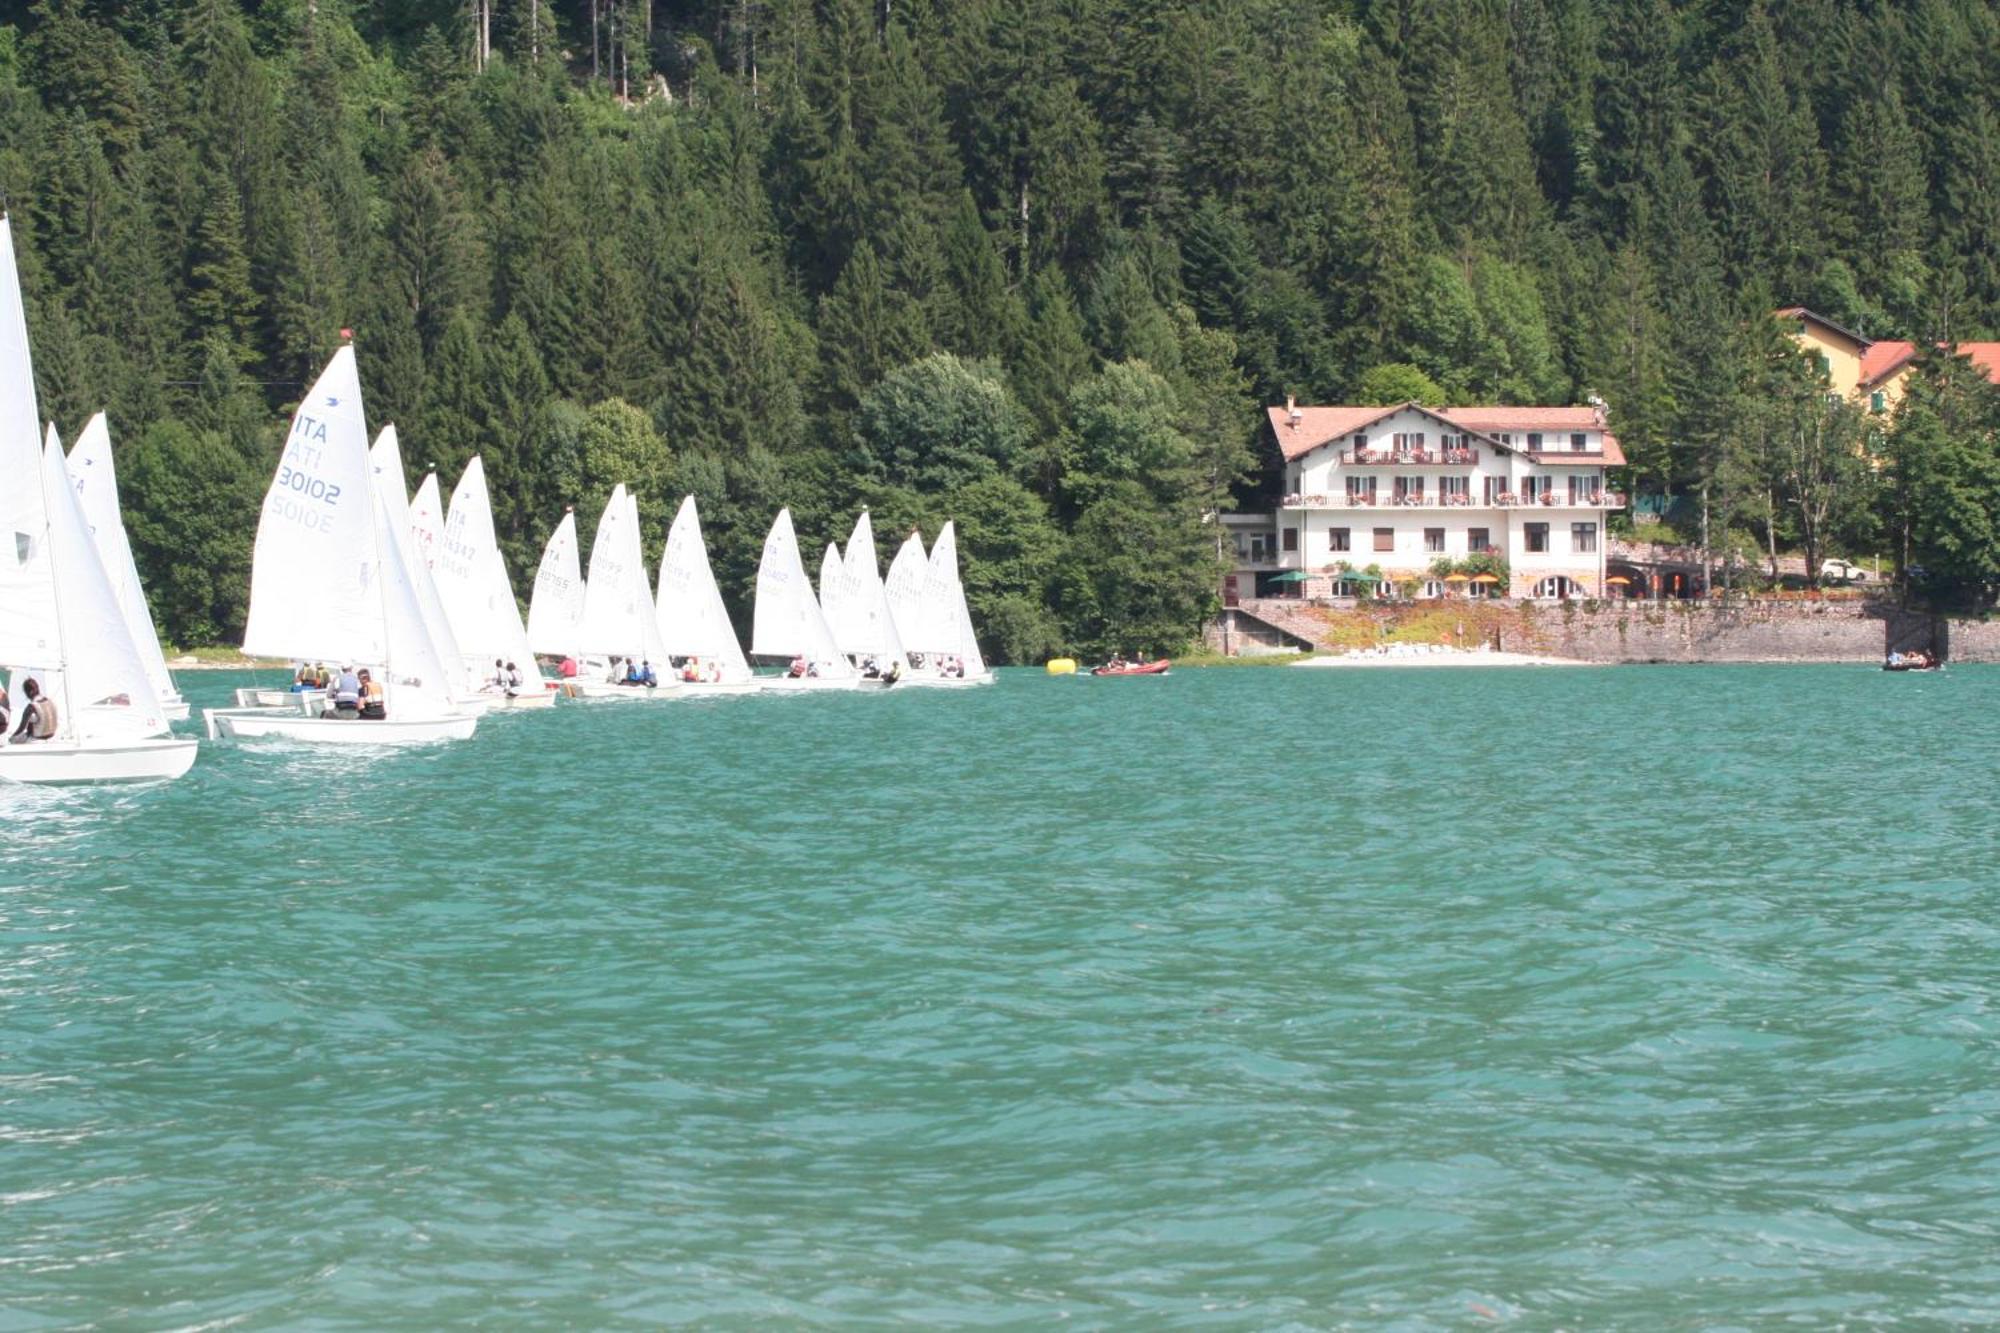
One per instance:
(1061, 666)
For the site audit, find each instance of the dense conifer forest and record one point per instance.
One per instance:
(1035, 264)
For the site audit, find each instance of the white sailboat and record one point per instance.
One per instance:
(471, 577)
(386, 458)
(95, 476)
(328, 582)
(693, 622)
(864, 627)
(788, 622)
(957, 660)
(619, 620)
(555, 604)
(832, 573)
(904, 591)
(60, 621)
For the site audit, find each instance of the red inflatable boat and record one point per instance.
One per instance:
(1158, 668)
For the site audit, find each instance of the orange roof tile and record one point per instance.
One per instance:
(1885, 358)
(1984, 355)
(1319, 426)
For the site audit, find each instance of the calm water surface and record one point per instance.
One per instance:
(1648, 997)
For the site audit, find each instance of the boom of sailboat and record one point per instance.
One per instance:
(399, 610)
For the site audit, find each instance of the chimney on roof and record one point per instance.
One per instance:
(1292, 413)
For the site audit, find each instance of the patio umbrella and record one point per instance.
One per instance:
(1457, 578)
(1618, 579)
(1485, 578)
(1356, 576)
(1291, 576)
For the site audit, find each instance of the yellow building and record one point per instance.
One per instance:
(1870, 370)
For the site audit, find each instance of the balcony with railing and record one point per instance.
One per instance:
(1453, 500)
(1408, 457)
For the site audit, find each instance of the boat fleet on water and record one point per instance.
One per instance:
(400, 609)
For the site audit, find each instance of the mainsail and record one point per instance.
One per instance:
(865, 627)
(472, 579)
(95, 478)
(787, 621)
(693, 620)
(555, 607)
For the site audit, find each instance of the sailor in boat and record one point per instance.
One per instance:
(346, 692)
(894, 673)
(498, 682)
(647, 676)
(374, 703)
(691, 668)
(3, 707)
(797, 670)
(568, 668)
(38, 715)
(515, 681)
(871, 669)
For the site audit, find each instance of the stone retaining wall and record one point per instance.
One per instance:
(1753, 631)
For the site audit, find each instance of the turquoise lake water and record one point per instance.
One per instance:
(1641, 997)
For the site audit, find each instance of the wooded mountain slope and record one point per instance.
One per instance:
(1032, 263)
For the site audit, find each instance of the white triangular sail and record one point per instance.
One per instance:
(865, 628)
(95, 478)
(328, 579)
(103, 679)
(787, 621)
(944, 595)
(555, 606)
(618, 615)
(471, 576)
(832, 572)
(387, 460)
(904, 591)
(427, 521)
(30, 627)
(693, 620)
(315, 572)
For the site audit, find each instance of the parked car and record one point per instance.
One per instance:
(1842, 571)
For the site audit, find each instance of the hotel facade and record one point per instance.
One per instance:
(1400, 488)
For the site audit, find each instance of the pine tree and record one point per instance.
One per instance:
(1052, 357)
(220, 297)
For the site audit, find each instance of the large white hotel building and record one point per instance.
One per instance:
(1401, 487)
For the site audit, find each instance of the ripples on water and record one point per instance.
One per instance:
(1608, 998)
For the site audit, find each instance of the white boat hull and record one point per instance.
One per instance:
(802, 684)
(259, 724)
(174, 709)
(502, 703)
(600, 689)
(291, 701)
(947, 682)
(702, 689)
(147, 760)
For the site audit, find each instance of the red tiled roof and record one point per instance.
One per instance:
(1883, 359)
(1319, 426)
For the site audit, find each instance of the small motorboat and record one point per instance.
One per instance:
(1158, 668)
(1913, 664)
